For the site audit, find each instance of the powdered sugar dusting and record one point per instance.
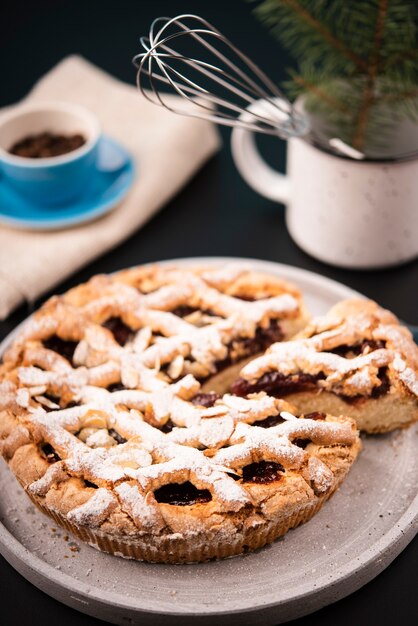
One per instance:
(143, 509)
(130, 442)
(407, 375)
(94, 511)
(320, 475)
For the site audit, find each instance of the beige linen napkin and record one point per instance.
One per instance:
(168, 149)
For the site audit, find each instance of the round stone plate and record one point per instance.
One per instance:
(354, 537)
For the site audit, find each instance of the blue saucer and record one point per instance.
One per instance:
(112, 179)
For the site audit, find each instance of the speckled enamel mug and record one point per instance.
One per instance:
(345, 212)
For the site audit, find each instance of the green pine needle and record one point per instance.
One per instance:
(357, 61)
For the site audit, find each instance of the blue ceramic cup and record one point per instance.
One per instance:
(50, 181)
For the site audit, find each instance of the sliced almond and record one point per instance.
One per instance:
(130, 378)
(37, 391)
(100, 439)
(46, 402)
(85, 433)
(176, 367)
(194, 318)
(142, 339)
(23, 398)
(127, 463)
(240, 404)
(215, 411)
(95, 419)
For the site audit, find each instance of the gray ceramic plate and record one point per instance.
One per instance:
(354, 537)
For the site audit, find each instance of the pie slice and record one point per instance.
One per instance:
(357, 360)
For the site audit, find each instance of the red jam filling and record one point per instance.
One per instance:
(384, 383)
(276, 384)
(167, 427)
(262, 473)
(377, 392)
(315, 415)
(116, 436)
(301, 443)
(115, 387)
(182, 494)
(61, 346)
(262, 339)
(206, 399)
(90, 485)
(184, 310)
(268, 422)
(121, 332)
(50, 454)
(366, 346)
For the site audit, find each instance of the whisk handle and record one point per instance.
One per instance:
(252, 167)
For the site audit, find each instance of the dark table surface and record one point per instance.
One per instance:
(216, 215)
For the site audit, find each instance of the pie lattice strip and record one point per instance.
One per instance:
(205, 345)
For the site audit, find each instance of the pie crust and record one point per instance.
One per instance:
(104, 422)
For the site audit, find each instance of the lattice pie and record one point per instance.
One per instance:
(104, 422)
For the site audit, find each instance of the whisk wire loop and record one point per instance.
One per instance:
(227, 90)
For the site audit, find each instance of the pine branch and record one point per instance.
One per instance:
(378, 37)
(403, 95)
(305, 15)
(372, 70)
(357, 62)
(320, 93)
(406, 55)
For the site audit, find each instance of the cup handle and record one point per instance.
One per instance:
(252, 167)
(111, 156)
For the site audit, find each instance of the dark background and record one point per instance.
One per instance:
(217, 214)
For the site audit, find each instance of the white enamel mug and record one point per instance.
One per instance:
(345, 212)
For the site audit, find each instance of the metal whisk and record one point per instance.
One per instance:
(231, 81)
